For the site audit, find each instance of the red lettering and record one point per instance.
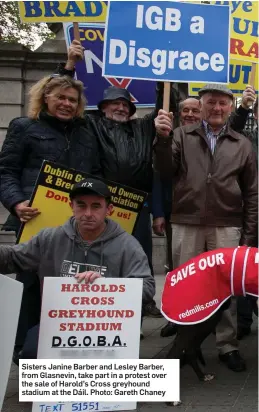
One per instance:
(65, 287)
(50, 194)
(85, 287)
(113, 288)
(75, 300)
(122, 288)
(115, 326)
(129, 313)
(253, 50)
(63, 314)
(52, 313)
(236, 47)
(62, 327)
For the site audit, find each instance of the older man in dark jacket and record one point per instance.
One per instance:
(125, 147)
(215, 193)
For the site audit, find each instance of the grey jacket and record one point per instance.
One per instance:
(61, 252)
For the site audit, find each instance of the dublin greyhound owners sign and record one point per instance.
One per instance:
(167, 41)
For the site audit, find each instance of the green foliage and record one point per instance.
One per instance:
(13, 31)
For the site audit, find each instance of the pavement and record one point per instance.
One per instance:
(228, 392)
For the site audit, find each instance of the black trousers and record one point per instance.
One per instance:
(168, 233)
(245, 308)
(30, 306)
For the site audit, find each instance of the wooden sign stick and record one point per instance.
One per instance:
(252, 76)
(76, 31)
(166, 99)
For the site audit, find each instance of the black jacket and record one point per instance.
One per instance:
(253, 136)
(28, 142)
(125, 149)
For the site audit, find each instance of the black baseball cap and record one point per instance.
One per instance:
(90, 186)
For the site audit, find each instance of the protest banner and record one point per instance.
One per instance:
(199, 287)
(51, 197)
(243, 46)
(62, 11)
(171, 42)
(239, 78)
(89, 71)
(10, 302)
(244, 29)
(89, 321)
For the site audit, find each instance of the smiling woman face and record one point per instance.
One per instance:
(62, 103)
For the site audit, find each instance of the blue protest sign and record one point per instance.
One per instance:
(167, 41)
(89, 71)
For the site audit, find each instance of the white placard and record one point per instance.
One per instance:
(10, 303)
(90, 321)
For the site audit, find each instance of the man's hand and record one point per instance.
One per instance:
(24, 212)
(164, 123)
(75, 53)
(248, 97)
(159, 226)
(88, 277)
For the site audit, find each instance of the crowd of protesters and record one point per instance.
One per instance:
(201, 180)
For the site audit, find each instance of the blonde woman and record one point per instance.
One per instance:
(54, 130)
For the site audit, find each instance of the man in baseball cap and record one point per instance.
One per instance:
(90, 186)
(88, 246)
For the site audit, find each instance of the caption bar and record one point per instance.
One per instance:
(147, 380)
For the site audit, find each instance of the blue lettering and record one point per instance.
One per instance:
(32, 9)
(255, 29)
(246, 26)
(237, 25)
(93, 8)
(51, 9)
(72, 7)
(46, 408)
(234, 77)
(235, 73)
(223, 3)
(247, 4)
(246, 70)
(235, 5)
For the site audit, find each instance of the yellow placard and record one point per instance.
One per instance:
(244, 30)
(51, 197)
(62, 11)
(239, 78)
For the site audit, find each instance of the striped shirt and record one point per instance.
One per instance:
(211, 136)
